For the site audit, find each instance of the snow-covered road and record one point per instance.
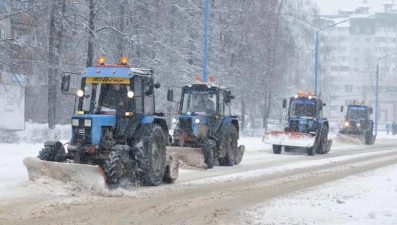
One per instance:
(366, 197)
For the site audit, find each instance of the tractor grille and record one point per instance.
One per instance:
(185, 124)
(81, 135)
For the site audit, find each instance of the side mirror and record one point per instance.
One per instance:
(65, 83)
(370, 110)
(170, 95)
(284, 103)
(341, 108)
(227, 97)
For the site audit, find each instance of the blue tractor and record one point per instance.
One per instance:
(306, 127)
(205, 131)
(116, 129)
(357, 124)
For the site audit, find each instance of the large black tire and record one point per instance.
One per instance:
(229, 142)
(52, 151)
(277, 149)
(119, 168)
(151, 156)
(369, 137)
(209, 147)
(323, 140)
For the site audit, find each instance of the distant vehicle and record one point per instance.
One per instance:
(357, 124)
(306, 126)
(206, 133)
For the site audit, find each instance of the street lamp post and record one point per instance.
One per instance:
(316, 54)
(377, 91)
(205, 60)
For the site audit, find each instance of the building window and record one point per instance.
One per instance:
(357, 39)
(368, 39)
(356, 59)
(368, 30)
(349, 88)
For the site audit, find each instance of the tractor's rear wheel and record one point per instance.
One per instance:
(323, 140)
(119, 169)
(369, 137)
(151, 156)
(277, 149)
(230, 144)
(209, 147)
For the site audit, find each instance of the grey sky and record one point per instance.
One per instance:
(332, 6)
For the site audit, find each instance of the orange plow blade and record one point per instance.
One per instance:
(295, 139)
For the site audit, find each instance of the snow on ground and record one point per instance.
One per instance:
(368, 198)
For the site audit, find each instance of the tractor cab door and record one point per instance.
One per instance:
(144, 97)
(319, 109)
(224, 103)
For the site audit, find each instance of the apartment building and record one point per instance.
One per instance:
(356, 46)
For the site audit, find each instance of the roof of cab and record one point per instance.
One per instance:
(115, 71)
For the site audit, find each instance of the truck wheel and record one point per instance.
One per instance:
(150, 155)
(52, 151)
(277, 149)
(119, 169)
(230, 143)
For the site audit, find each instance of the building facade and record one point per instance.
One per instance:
(356, 47)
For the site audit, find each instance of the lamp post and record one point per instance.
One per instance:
(205, 60)
(316, 54)
(377, 91)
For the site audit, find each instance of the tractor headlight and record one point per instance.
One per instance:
(87, 123)
(197, 120)
(80, 93)
(173, 120)
(130, 94)
(346, 124)
(75, 122)
(358, 125)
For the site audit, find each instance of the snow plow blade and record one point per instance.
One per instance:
(189, 157)
(294, 139)
(91, 177)
(351, 138)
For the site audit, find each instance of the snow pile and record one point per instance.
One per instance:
(367, 198)
(36, 133)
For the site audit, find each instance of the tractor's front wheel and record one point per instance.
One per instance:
(119, 168)
(151, 156)
(52, 151)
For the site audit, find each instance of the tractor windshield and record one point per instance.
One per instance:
(199, 102)
(356, 113)
(105, 98)
(303, 108)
